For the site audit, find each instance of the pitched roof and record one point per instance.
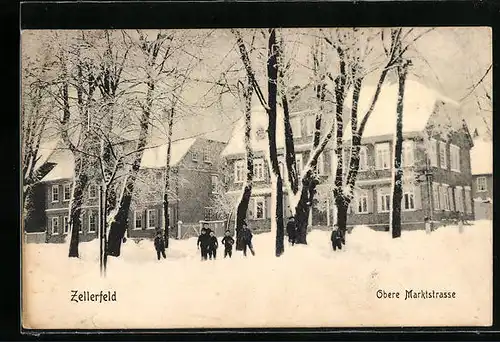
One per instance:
(64, 168)
(419, 103)
(45, 151)
(155, 156)
(258, 140)
(481, 157)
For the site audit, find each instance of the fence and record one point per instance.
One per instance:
(38, 237)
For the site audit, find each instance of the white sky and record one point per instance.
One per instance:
(448, 59)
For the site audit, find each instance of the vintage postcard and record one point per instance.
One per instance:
(257, 178)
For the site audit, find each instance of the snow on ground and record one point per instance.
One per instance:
(309, 286)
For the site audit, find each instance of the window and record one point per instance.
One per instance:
(239, 172)
(66, 224)
(296, 127)
(383, 156)
(258, 169)
(55, 193)
(194, 156)
(92, 191)
(459, 199)
(442, 155)
(444, 197)
(55, 225)
(206, 156)
(298, 160)
(452, 202)
(361, 200)
(408, 198)
(407, 153)
(310, 124)
(435, 195)
(151, 218)
(384, 200)
(66, 192)
(215, 184)
(481, 184)
(468, 201)
(433, 152)
(455, 158)
(138, 219)
(208, 213)
(259, 208)
(92, 222)
(363, 158)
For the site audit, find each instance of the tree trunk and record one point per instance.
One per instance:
(342, 207)
(166, 217)
(398, 168)
(302, 215)
(247, 190)
(272, 73)
(81, 181)
(241, 213)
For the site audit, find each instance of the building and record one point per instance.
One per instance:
(194, 176)
(435, 143)
(482, 178)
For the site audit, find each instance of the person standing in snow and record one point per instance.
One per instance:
(246, 236)
(336, 238)
(159, 243)
(291, 230)
(228, 243)
(202, 243)
(213, 244)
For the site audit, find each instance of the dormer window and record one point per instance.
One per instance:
(194, 156)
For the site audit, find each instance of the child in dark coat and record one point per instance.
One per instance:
(336, 238)
(160, 245)
(213, 244)
(203, 241)
(246, 236)
(291, 230)
(228, 242)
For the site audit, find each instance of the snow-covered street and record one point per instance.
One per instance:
(309, 286)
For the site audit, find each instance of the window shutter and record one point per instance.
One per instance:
(451, 192)
(370, 200)
(268, 206)
(418, 197)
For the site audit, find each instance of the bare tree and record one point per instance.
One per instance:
(156, 53)
(270, 106)
(397, 193)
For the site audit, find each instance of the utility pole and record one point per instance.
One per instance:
(101, 233)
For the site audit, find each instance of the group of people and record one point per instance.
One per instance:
(337, 237)
(208, 243)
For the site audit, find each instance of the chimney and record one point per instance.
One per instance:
(475, 134)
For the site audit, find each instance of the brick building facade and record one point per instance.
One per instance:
(194, 168)
(443, 154)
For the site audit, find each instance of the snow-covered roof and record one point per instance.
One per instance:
(45, 151)
(481, 157)
(155, 156)
(259, 141)
(65, 164)
(419, 103)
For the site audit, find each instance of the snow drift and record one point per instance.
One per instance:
(309, 286)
